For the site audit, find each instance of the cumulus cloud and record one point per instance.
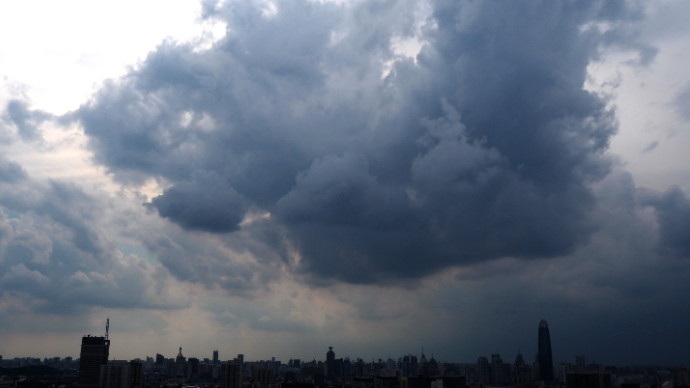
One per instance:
(672, 209)
(55, 253)
(344, 172)
(483, 147)
(25, 120)
(205, 203)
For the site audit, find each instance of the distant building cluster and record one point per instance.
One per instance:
(94, 370)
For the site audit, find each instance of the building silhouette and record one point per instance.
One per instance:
(330, 363)
(121, 374)
(589, 380)
(580, 363)
(94, 353)
(544, 356)
(215, 358)
(231, 374)
(483, 373)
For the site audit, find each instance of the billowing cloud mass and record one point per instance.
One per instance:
(483, 148)
(319, 153)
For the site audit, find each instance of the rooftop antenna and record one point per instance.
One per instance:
(107, 327)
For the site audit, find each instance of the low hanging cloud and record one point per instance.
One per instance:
(485, 146)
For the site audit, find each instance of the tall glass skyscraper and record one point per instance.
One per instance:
(544, 356)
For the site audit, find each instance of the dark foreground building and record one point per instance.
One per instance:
(94, 353)
(545, 357)
(589, 380)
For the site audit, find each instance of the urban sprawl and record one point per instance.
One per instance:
(93, 369)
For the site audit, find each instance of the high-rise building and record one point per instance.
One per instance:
(115, 374)
(580, 364)
(263, 378)
(215, 358)
(193, 366)
(347, 368)
(497, 370)
(330, 363)
(121, 374)
(231, 374)
(181, 364)
(94, 353)
(483, 370)
(338, 367)
(589, 380)
(160, 360)
(544, 356)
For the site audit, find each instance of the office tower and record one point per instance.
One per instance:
(359, 368)
(296, 362)
(231, 374)
(115, 374)
(434, 369)
(137, 369)
(589, 380)
(330, 363)
(240, 359)
(413, 366)
(160, 360)
(180, 363)
(263, 378)
(562, 372)
(347, 368)
(193, 366)
(121, 374)
(580, 363)
(215, 358)
(405, 366)
(483, 370)
(544, 357)
(338, 368)
(94, 353)
(496, 369)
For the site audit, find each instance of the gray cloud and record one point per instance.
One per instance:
(11, 171)
(205, 203)
(485, 148)
(24, 119)
(54, 253)
(682, 102)
(673, 215)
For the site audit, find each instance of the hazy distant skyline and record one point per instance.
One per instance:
(276, 177)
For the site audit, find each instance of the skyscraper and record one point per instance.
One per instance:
(231, 374)
(580, 363)
(330, 363)
(94, 353)
(544, 357)
(215, 358)
(121, 374)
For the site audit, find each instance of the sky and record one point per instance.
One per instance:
(275, 177)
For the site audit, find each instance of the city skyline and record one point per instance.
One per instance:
(380, 176)
(543, 342)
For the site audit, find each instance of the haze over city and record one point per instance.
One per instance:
(271, 178)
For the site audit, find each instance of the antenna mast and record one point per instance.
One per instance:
(107, 326)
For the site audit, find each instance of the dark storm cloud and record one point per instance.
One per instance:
(483, 148)
(205, 202)
(672, 209)
(24, 119)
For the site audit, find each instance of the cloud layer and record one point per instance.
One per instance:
(347, 171)
(482, 147)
